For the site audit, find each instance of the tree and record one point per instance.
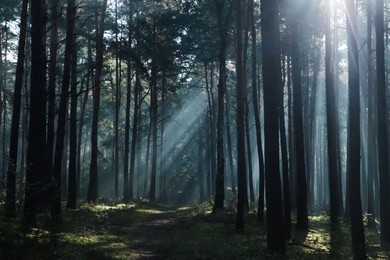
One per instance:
(353, 142)
(240, 121)
(37, 124)
(93, 171)
(302, 218)
(256, 111)
(72, 167)
(13, 149)
(134, 133)
(371, 148)
(62, 111)
(382, 126)
(127, 121)
(331, 121)
(272, 84)
(117, 106)
(223, 22)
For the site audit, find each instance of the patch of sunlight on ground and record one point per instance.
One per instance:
(83, 239)
(104, 207)
(38, 233)
(150, 211)
(184, 208)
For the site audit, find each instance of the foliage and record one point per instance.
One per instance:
(109, 230)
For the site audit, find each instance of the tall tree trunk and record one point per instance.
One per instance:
(127, 123)
(302, 216)
(82, 117)
(72, 168)
(134, 132)
(117, 106)
(285, 168)
(291, 145)
(220, 177)
(331, 121)
(153, 117)
(62, 111)
(17, 100)
(370, 122)
(272, 84)
(240, 121)
(353, 142)
(37, 125)
(51, 113)
(256, 111)
(382, 126)
(93, 181)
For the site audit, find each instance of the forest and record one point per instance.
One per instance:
(194, 129)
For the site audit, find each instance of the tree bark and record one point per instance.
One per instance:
(37, 124)
(17, 101)
(220, 177)
(240, 121)
(72, 167)
(382, 122)
(353, 141)
(93, 181)
(272, 84)
(302, 215)
(331, 121)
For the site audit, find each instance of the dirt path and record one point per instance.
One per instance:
(147, 232)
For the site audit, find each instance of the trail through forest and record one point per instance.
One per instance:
(153, 228)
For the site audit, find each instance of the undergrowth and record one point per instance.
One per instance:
(113, 230)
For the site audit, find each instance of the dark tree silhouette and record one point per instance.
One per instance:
(353, 142)
(272, 84)
(93, 171)
(13, 149)
(302, 218)
(223, 15)
(36, 161)
(331, 121)
(383, 161)
(240, 122)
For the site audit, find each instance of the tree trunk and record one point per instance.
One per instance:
(382, 126)
(134, 135)
(72, 168)
(256, 112)
(370, 122)
(82, 118)
(127, 123)
(229, 144)
(302, 218)
(220, 177)
(249, 153)
(240, 121)
(51, 113)
(331, 121)
(62, 111)
(285, 168)
(17, 100)
(37, 124)
(153, 117)
(117, 106)
(271, 80)
(93, 181)
(353, 142)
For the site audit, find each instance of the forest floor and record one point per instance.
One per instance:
(150, 231)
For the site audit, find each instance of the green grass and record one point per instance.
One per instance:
(142, 230)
